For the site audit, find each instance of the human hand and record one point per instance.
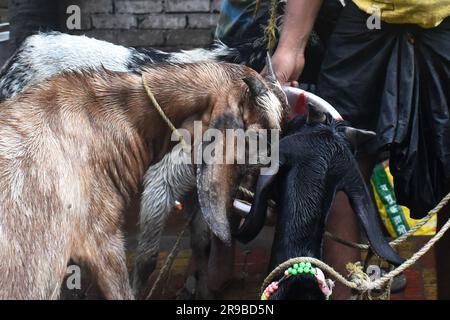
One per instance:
(288, 65)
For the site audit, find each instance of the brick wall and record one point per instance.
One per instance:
(3, 11)
(166, 24)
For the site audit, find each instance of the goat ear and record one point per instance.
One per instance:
(256, 86)
(214, 187)
(357, 136)
(364, 208)
(216, 181)
(315, 115)
(256, 218)
(271, 76)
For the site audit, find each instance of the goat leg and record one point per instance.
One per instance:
(107, 261)
(200, 244)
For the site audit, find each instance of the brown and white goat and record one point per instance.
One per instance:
(73, 152)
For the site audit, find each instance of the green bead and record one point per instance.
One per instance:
(306, 269)
(302, 265)
(313, 271)
(290, 270)
(294, 272)
(296, 266)
(300, 270)
(308, 264)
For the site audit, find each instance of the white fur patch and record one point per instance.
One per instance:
(272, 106)
(164, 182)
(55, 53)
(199, 55)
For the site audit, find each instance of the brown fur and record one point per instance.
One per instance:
(73, 151)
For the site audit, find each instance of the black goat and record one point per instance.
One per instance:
(316, 161)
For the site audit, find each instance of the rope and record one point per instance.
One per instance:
(256, 11)
(359, 280)
(162, 113)
(169, 259)
(270, 32)
(403, 237)
(250, 194)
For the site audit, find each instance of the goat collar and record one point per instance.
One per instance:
(302, 269)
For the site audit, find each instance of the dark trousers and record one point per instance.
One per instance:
(396, 82)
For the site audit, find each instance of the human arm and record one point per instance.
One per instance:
(289, 59)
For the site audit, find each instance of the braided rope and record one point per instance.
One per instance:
(257, 8)
(270, 32)
(404, 236)
(360, 281)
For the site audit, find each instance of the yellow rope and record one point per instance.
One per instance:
(257, 7)
(359, 280)
(270, 32)
(161, 112)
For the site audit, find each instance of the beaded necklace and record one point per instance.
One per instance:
(302, 269)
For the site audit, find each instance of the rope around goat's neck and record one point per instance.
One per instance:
(359, 279)
(161, 112)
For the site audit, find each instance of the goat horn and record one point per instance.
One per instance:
(271, 76)
(294, 93)
(257, 87)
